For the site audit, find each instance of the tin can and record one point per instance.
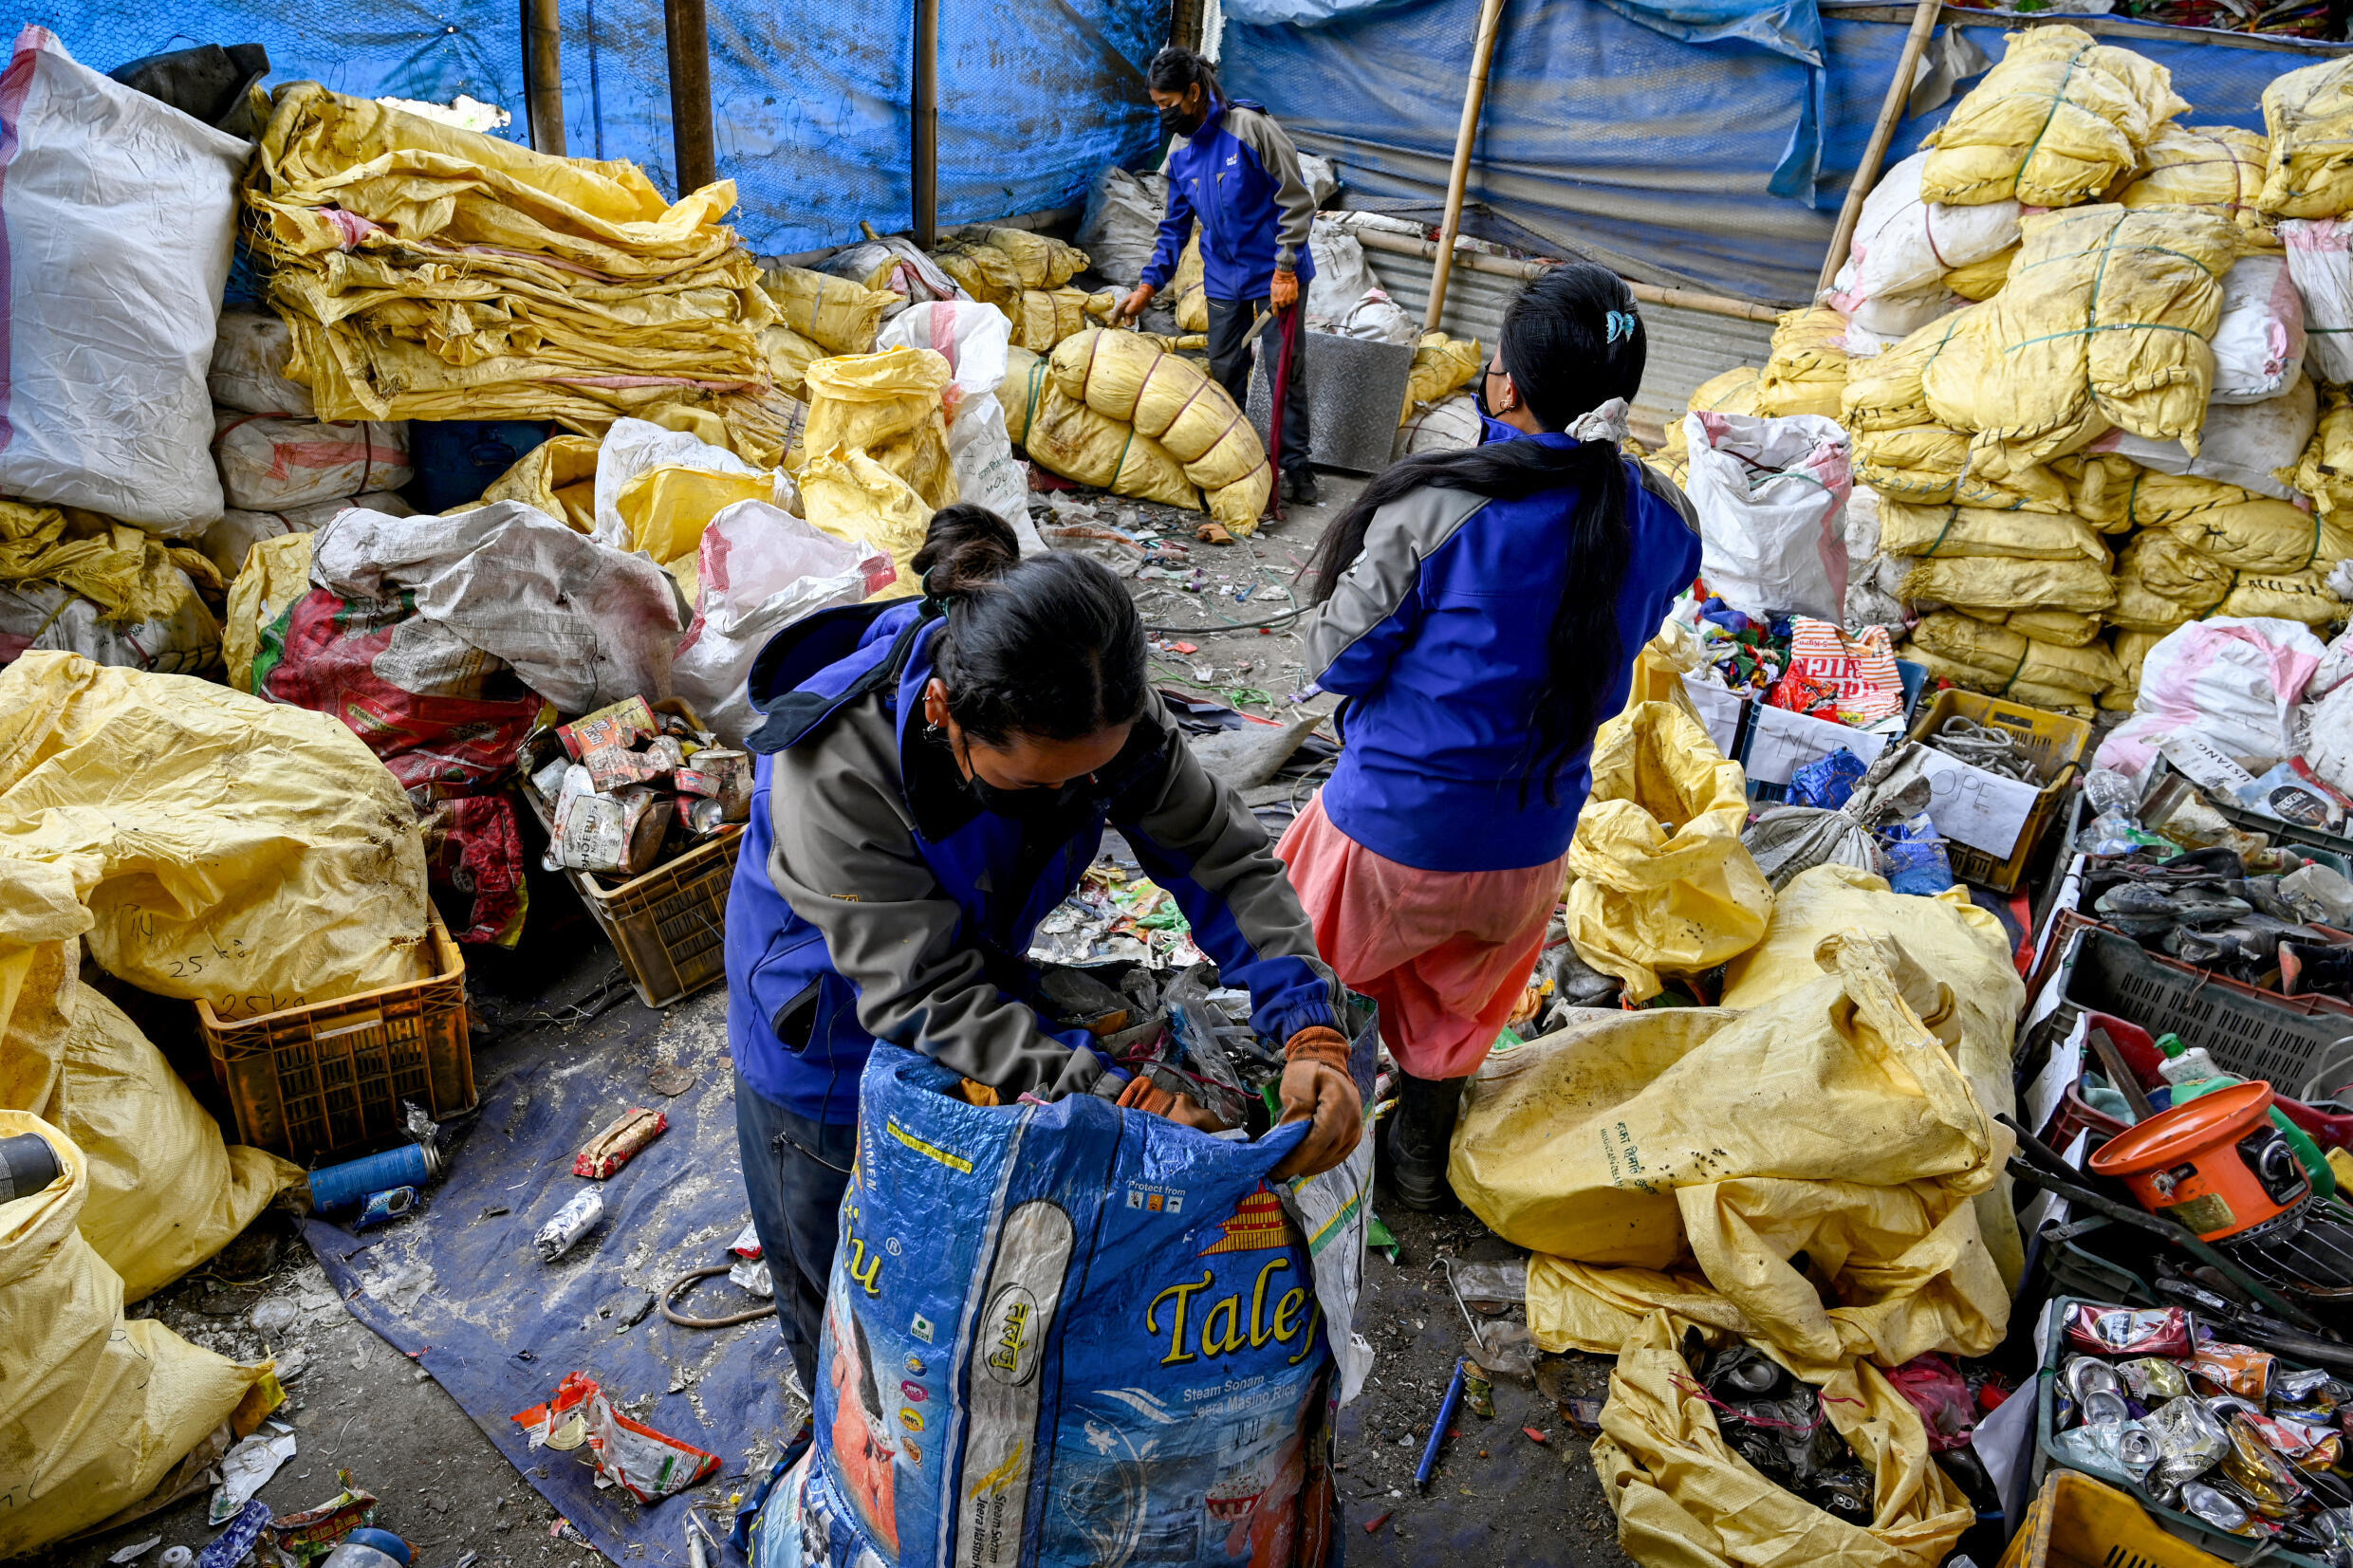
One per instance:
(336, 1187)
(573, 1221)
(620, 1143)
(383, 1207)
(622, 724)
(613, 767)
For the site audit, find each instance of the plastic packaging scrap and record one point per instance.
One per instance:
(564, 1228)
(2057, 121)
(202, 824)
(1880, 1174)
(618, 1143)
(2308, 116)
(1172, 401)
(1914, 856)
(1234, 1282)
(1674, 1466)
(105, 1406)
(975, 341)
(633, 1456)
(270, 464)
(388, 234)
(2233, 682)
(2218, 167)
(1772, 497)
(1662, 882)
(1806, 372)
(109, 341)
(836, 314)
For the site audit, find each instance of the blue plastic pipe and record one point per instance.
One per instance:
(1437, 1431)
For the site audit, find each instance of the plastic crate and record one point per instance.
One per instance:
(328, 1078)
(668, 925)
(2077, 1521)
(2248, 1032)
(2163, 1536)
(1915, 678)
(2054, 743)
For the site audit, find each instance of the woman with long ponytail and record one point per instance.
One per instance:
(1480, 611)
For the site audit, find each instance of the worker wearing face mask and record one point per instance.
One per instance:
(1234, 170)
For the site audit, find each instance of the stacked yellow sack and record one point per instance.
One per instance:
(1733, 392)
(873, 461)
(821, 315)
(2061, 119)
(2326, 474)
(2309, 116)
(1172, 400)
(1190, 286)
(1023, 274)
(2220, 168)
(1897, 446)
(2231, 526)
(2002, 661)
(1806, 372)
(1442, 366)
(430, 272)
(1064, 436)
(1044, 317)
(1982, 280)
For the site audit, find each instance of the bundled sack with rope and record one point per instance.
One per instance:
(2162, 582)
(1190, 286)
(201, 823)
(270, 465)
(2308, 114)
(888, 406)
(2232, 682)
(2005, 584)
(1175, 403)
(2061, 118)
(2324, 471)
(1683, 1159)
(430, 273)
(2319, 259)
(1805, 372)
(1443, 365)
(1904, 247)
(1663, 883)
(2002, 659)
(1942, 531)
(2253, 447)
(2259, 343)
(1982, 280)
(2220, 168)
(76, 582)
(2115, 332)
(839, 316)
(1044, 317)
(1064, 436)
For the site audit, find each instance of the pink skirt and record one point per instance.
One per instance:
(1445, 953)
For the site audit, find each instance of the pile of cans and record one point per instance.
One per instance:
(634, 787)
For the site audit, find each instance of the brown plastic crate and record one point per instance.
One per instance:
(2053, 741)
(328, 1078)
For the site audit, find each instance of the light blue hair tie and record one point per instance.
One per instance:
(1621, 324)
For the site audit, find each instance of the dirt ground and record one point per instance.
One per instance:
(356, 1405)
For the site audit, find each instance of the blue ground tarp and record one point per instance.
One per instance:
(808, 101)
(1604, 132)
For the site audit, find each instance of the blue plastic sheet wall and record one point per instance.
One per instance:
(808, 101)
(1644, 150)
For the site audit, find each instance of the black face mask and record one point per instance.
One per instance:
(1178, 122)
(1038, 803)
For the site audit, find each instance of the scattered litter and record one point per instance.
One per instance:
(670, 1078)
(229, 1548)
(1535, 1437)
(1583, 1414)
(644, 1462)
(620, 1143)
(176, 1557)
(245, 1469)
(137, 1550)
(383, 1207)
(573, 1221)
(402, 1285)
(1374, 1524)
(314, 1531)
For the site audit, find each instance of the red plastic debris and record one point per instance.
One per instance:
(1535, 1437)
(1375, 1523)
(1186, 647)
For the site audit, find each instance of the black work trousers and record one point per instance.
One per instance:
(794, 1171)
(1229, 322)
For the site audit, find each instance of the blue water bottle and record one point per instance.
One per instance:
(367, 1547)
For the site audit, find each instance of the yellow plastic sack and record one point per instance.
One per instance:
(276, 573)
(887, 406)
(2001, 582)
(1043, 261)
(2162, 583)
(1189, 285)
(2056, 122)
(2220, 168)
(2060, 628)
(2132, 650)
(1064, 436)
(127, 573)
(982, 270)
(1442, 366)
(1924, 531)
(2114, 332)
(1883, 392)
(789, 356)
(2055, 699)
(1806, 372)
(202, 827)
(2115, 494)
(97, 1408)
(1982, 279)
(1044, 317)
(854, 497)
(1950, 937)
(1917, 463)
(2001, 654)
(2290, 596)
(1662, 882)
(1733, 392)
(1167, 397)
(2326, 472)
(1690, 1154)
(165, 1191)
(2309, 116)
(837, 315)
(2264, 535)
(491, 281)
(558, 476)
(1685, 1500)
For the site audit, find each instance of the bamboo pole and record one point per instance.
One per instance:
(542, 29)
(1473, 99)
(689, 36)
(1875, 152)
(925, 112)
(1505, 266)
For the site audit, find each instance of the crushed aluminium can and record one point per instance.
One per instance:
(383, 1207)
(569, 1224)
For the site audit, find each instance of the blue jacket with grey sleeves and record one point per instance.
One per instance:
(1438, 634)
(1239, 174)
(875, 899)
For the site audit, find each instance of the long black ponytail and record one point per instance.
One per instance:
(1572, 341)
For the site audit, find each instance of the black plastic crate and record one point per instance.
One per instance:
(2248, 1032)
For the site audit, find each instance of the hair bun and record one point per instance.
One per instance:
(965, 547)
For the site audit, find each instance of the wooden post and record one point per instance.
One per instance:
(924, 111)
(1875, 151)
(543, 39)
(690, 93)
(1473, 99)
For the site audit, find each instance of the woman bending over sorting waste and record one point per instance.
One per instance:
(932, 778)
(1480, 611)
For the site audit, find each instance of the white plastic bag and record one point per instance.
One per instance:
(248, 367)
(2320, 258)
(2242, 444)
(2232, 681)
(1122, 223)
(2259, 341)
(1382, 320)
(1903, 245)
(1451, 424)
(1772, 497)
(1323, 180)
(115, 226)
(267, 465)
(762, 570)
(973, 339)
(226, 541)
(184, 640)
(1341, 274)
(635, 447)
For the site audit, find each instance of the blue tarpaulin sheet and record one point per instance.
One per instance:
(808, 101)
(1607, 136)
(462, 1288)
